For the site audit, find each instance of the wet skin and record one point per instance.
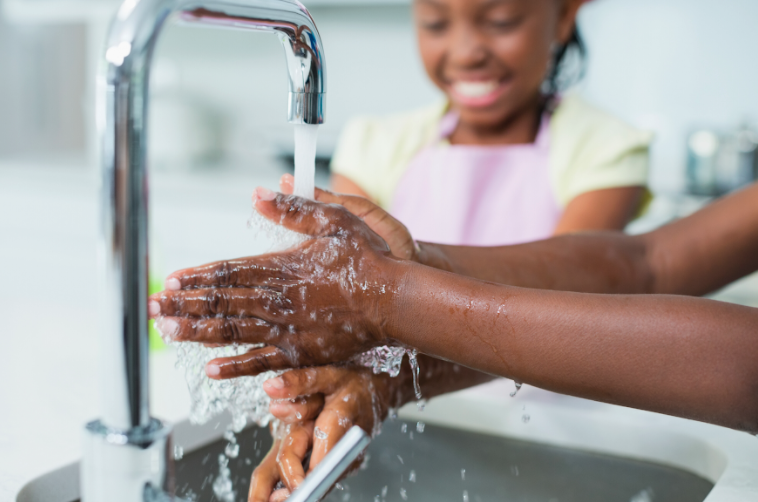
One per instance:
(669, 363)
(669, 354)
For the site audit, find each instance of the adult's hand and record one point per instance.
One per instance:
(322, 301)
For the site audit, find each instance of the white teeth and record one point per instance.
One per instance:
(475, 89)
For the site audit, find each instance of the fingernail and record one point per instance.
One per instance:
(173, 284)
(212, 370)
(265, 194)
(154, 308)
(276, 383)
(168, 328)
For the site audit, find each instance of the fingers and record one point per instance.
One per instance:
(264, 477)
(280, 495)
(394, 233)
(250, 364)
(215, 331)
(333, 422)
(299, 214)
(306, 381)
(242, 302)
(295, 446)
(301, 409)
(227, 273)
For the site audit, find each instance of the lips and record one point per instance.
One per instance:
(476, 92)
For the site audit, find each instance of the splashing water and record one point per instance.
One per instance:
(413, 360)
(222, 486)
(244, 397)
(518, 388)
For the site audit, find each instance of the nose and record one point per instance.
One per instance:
(468, 47)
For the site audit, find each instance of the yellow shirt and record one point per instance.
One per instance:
(589, 150)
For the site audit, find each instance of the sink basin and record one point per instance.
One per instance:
(448, 462)
(524, 449)
(496, 468)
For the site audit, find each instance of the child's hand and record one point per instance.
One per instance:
(321, 302)
(327, 401)
(394, 233)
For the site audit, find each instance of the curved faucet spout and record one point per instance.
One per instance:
(122, 124)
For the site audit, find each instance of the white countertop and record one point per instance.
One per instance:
(49, 364)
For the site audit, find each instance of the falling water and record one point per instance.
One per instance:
(306, 137)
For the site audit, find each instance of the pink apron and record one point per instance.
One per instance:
(478, 195)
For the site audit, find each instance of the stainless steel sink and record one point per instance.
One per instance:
(496, 468)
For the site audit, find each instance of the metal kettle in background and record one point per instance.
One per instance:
(720, 163)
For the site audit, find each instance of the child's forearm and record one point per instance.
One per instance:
(660, 353)
(692, 256)
(603, 262)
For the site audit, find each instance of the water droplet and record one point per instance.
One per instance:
(403, 495)
(346, 497)
(400, 459)
(514, 470)
(178, 452)
(465, 496)
(420, 427)
(413, 360)
(463, 474)
(320, 434)
(384, 492)
(404, 428)
(410, 434)
(646, 495)
(525, 418)
(412, 477)
(232, 450)
(518, 388)
(339, 486)
(421, 405)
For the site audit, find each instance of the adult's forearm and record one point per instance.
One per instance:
(667, 354)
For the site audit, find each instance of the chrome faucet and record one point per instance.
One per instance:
(128, 454)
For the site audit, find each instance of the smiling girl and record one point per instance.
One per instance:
(505, 158)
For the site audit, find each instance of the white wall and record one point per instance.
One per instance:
(672, 65)
(667, 65)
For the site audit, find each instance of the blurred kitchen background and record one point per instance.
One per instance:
(682, 68)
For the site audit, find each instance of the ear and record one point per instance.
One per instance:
(567, 21)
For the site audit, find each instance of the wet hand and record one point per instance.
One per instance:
(320, 302)
(327, 400)
(394, 233)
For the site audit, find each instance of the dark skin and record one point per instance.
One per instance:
(669, 354)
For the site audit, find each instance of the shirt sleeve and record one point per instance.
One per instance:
(592, 150)
(349, 159)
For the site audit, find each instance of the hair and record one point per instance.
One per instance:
(568, 66)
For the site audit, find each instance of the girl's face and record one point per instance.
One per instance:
(491, 56)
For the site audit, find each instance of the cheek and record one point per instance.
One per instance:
(528, 57)
(432, 53)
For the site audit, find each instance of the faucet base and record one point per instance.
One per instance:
(127, 466)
